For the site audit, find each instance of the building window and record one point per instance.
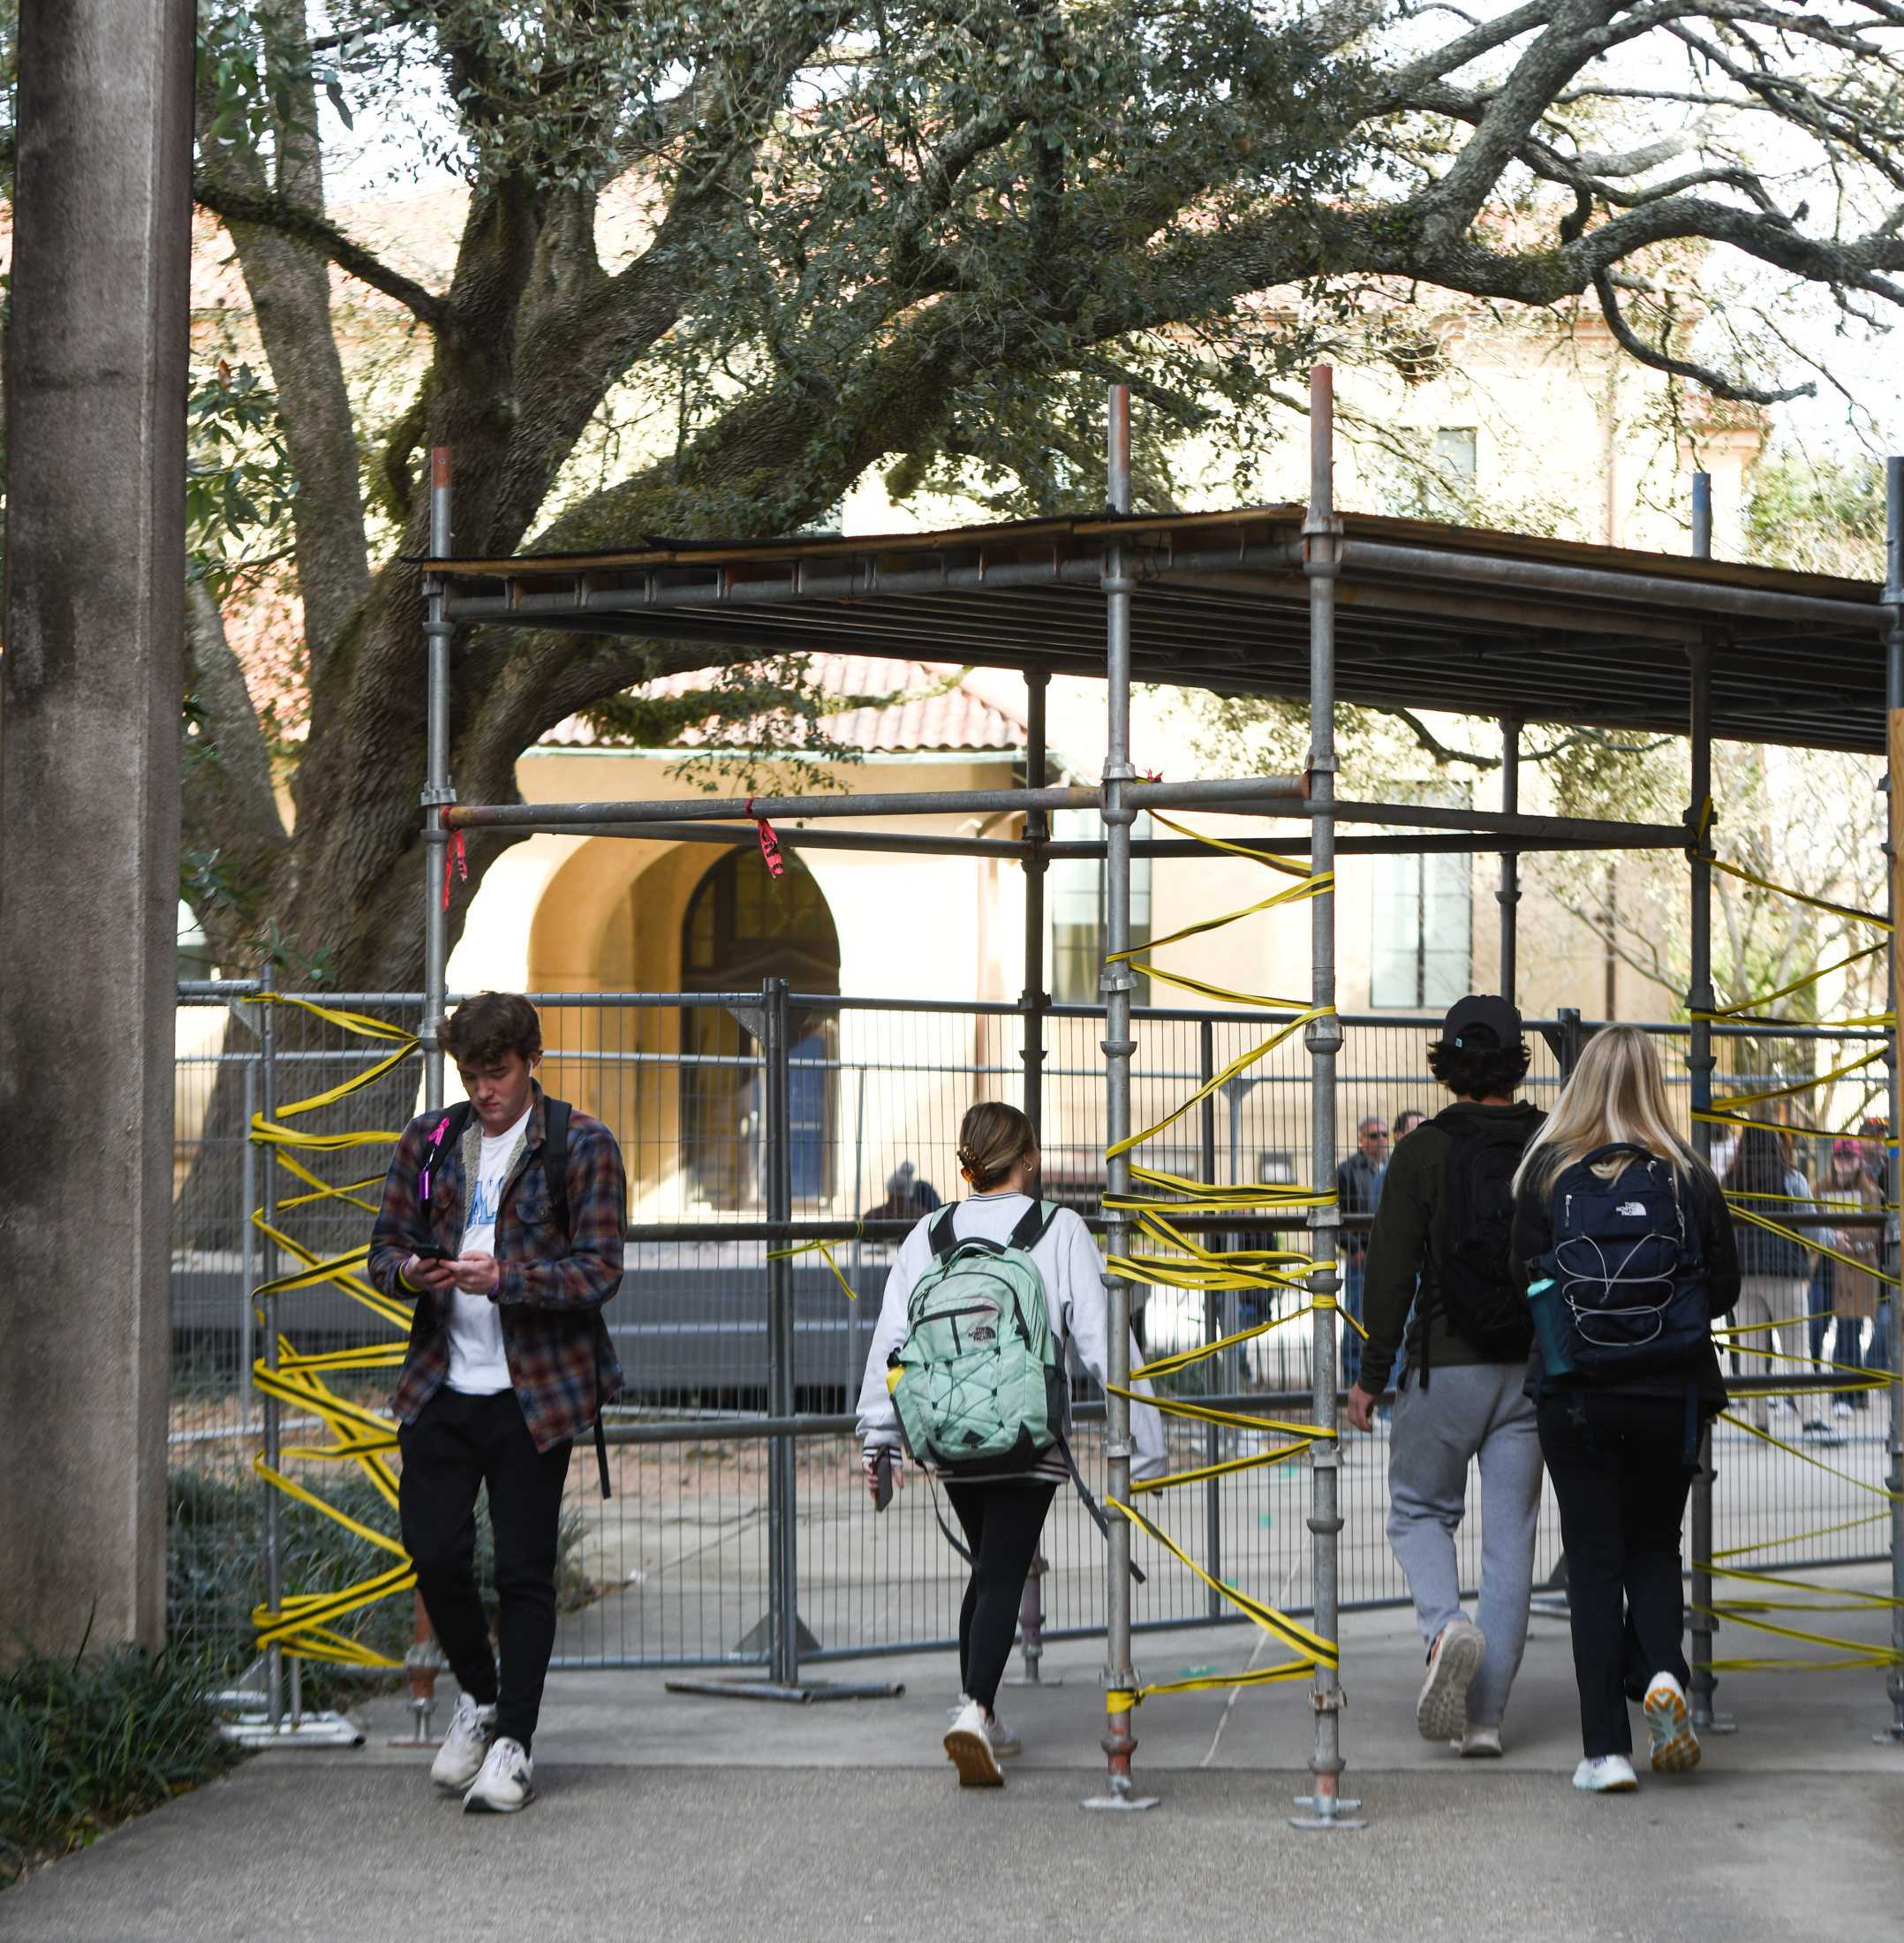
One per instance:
(1078, 910)
(1455, 451)
(1422, 950)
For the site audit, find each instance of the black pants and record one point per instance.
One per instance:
(1620, 1473)
(1001, 1524)
(456, 1444)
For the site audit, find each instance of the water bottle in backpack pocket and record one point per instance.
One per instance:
(1627, 1266)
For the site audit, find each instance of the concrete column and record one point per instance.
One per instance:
(90, 688)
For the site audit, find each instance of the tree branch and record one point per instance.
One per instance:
(265, 210)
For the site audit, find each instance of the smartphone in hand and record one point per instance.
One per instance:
(430, 1251)
(882, 1481)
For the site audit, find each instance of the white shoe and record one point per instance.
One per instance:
(1479, 1745)
(1441, 1711)
(1675, 1746)
(1841, 1409)
(969, 1748)
(465, 1744)
(506, 1783)
(1002, 1739)
(1606, 1774)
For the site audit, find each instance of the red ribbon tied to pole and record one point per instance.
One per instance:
(776, 865)
(456, 858)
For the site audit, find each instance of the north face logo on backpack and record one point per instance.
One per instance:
(1632, 1210)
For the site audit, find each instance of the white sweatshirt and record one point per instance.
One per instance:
(1067, 1258)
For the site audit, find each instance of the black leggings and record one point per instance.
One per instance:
(1002, 1522)
(1619, 1471)
(456, 1444)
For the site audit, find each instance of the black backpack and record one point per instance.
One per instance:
(1470, 1239)
(456, 1121)
(1627, 1267)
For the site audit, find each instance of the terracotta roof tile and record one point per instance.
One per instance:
(925, 708)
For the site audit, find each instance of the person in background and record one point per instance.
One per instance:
(1875, 1139)
(1445, 1225)
(1406, 1123)
(1620, 1440)
(1358, 1190)
(907, 1197)
(1851, 1292)
(1775, 1268)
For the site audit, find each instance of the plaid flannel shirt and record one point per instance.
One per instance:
(561, 1362)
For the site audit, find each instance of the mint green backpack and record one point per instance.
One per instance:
(976, 1379)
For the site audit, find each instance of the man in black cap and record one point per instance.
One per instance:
(1445, 1223)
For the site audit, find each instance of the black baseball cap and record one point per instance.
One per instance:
(1479, 1014)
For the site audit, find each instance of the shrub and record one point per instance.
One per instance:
(86, 1742)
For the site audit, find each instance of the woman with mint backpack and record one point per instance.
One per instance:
(987, 1299)
(1624, 1242)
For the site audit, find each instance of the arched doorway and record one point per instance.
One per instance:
(741, 926)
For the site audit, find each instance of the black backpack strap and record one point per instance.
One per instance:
(940, 1234)
(1091, 1503)
(556, 1157)
(1032, 1225)
(448, 1139)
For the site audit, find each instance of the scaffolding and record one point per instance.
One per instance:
(1294, 601)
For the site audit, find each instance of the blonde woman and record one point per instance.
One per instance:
(1624, 1240)
(1002, 1506)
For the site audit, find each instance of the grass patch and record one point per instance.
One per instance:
(87, 1742)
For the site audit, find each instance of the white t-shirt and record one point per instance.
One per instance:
(478, 1366)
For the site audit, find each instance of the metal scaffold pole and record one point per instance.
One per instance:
(274, 1559)
(1893, 602)
(1508, 895)
(1699, 1065)
(1116, 982)
(1033, 1003)
(425, 1656)
(1322, 532)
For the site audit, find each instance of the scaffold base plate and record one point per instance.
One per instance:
(1891, 1736)
(1340, 1813)
(1119, 1805)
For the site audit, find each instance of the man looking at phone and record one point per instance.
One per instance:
(504, 1220)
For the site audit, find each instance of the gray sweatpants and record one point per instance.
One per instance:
(1467, 1411)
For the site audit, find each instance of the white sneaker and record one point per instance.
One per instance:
(1841, 1409)
(1479, 1745)
(465, 1744)
(1002, 1739)
(1675, 1746)
(1441, 1711)
(506, 1783)
(1606, 1774)
(969, 1748)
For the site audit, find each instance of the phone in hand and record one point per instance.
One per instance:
(430, 1251)
(882, 1481)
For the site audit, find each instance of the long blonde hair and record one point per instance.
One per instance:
(1616, 1094)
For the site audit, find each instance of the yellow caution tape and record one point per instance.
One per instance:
(1797, 985)
(1312, 1649)
(1223, 1079)
(304, 1625)
(825, 1250)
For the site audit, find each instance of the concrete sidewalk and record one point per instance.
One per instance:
(684, 1817)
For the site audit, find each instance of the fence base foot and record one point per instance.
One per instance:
(254, 1730)
(1326, 1813)
(1891, 1736)
(800, 1693)
(1717, 1723)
